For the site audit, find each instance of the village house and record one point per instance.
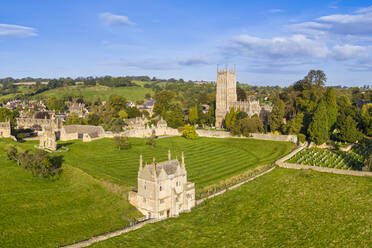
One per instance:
(163, 189)
(82, 132)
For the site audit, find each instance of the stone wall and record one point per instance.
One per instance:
(261, 136)
(265, 136)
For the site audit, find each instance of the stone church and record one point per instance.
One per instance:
(163, 189)
(226, 98)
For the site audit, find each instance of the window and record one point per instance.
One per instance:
(144, 200)
(161, 213)
(161, 201)
(161, 188)
(144, 186)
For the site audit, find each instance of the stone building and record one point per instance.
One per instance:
(48, 139)
(5, 130)
(226, 98)
(163, 189)
(38, 124)
(82, 132)
(78, 108)
(141, 127)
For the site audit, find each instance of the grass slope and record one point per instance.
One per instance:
(208, 160)
(93, 92)
(285, 208)
(39, 213)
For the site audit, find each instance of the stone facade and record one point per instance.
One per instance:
(78, 108)
(83, 132)
(5, 131)
(140, 128)
(38, 124)
(48, 139)
(163, 189)
(226, 98)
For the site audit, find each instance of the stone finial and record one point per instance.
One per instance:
(183, 160)
(153, 160)
(141, 161)
(169, 155)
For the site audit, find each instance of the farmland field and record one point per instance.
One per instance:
(284, 208)
(35, 212)
(132, 93)
(208, 160)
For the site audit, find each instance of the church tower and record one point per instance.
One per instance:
(226, 93)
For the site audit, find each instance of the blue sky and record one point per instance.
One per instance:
(271, 42)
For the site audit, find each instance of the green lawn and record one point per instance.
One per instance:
(284, 208)
(35, 212)
(93, 92)
(208, 160)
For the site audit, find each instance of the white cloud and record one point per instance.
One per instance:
(16, 30)
(275, 11)
(111, 19)
(279, 47)
(193, 61)
(365, 10)
(343, 52)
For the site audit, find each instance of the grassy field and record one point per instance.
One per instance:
(35, 212)
(93, 92)
(208, 160)
(284, 208)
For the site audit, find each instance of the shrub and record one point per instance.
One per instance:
(301, 137)
(189, 132)
(151, 141)
(39, 163)
(122, 143)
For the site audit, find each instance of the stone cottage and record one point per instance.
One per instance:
(82, 132)
(163, 189)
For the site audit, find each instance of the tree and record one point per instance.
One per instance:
(247, 126)
(148, 96)
(55, 104)
(123, 114)
(231, 117)
(94, 119)
(193, 115)
(175, 118)
(318, 128)
(294, 126)
(189, 132)
(332, 108)
(150, 141)
(117, 103)
(368, 163)
(163, 101)
(316, 77)
(241, 96)
(74, 119)
(12, 153)
(122, 142)
(211, 115)
(277, 115)
(348, 130)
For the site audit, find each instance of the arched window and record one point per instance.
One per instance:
(161, 188)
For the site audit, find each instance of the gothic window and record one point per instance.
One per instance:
(161, 188)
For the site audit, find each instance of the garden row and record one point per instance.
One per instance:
(353, 159)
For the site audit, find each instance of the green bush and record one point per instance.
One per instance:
(301, 137)
(189, 132)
